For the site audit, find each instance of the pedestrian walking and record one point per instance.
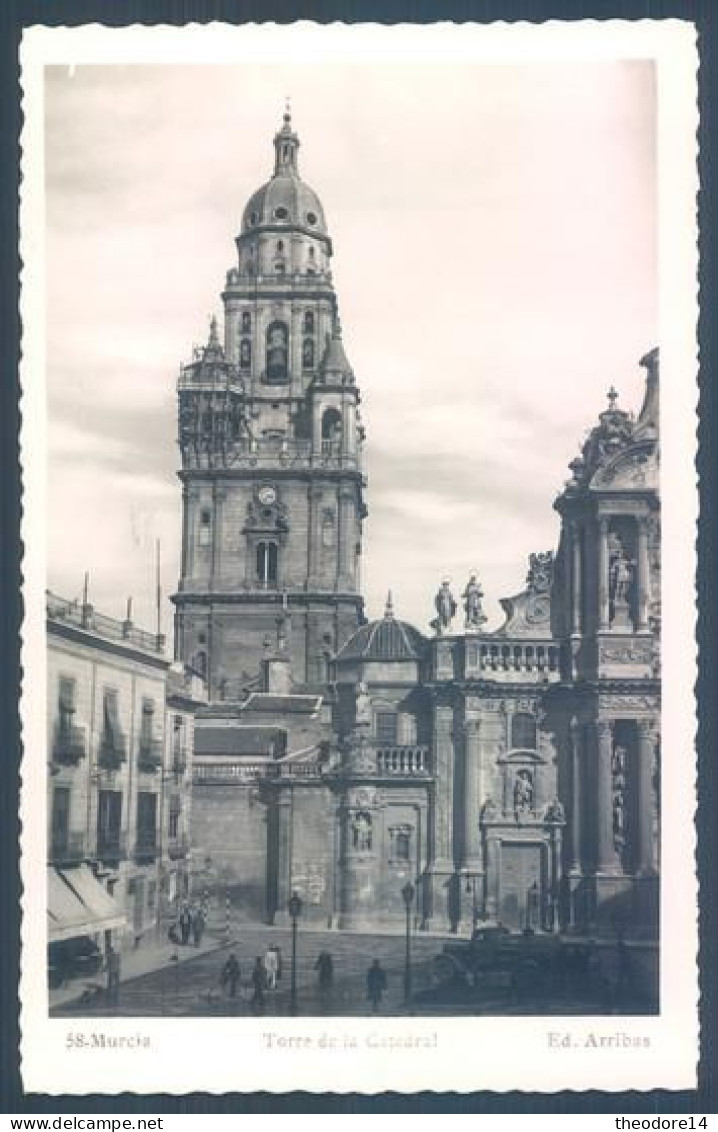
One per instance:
(230, 975)
(325, 968)
(259, 983)
(271, 966)
(113, 975)
(375, 985)
(185, 923)
(198, 925)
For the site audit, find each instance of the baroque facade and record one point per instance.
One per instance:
(509, 775)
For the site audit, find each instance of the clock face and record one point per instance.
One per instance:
(266, 495)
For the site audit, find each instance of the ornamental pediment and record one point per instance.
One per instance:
(631, 470)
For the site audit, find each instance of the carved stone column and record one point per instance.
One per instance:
(643, 579)
(575, 816)
(444, 764)
(313, 527)
(218, 497)
(576, 579)
(346, 538)
(606, 857)
(646, 729)
(603, 611)
(472, 787)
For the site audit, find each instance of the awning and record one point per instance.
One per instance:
(77, 904)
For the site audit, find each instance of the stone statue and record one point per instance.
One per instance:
(555, 811)
(540, 573)
(445, 607)
(361, 832)
(618, 766)
(363, 705)
(472, 595)
(619, 820)
(523, 791)
(621, 577)
(488, 810)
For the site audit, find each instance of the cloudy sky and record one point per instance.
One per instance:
(494, 232)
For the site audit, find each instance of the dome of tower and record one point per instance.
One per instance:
(285, 199)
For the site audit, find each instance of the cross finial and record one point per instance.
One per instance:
(389, 607)
(287, 109)
(612, 398)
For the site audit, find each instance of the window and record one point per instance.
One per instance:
(174, 816)
(309, 322)
(523, 731)
(246, 322)
(386, 727)
(147, 723)
(254, 218)
(267, 563)
(112, 744)
(109, 822)
(205, 527)
(146, 820)
(400, 844)
(277, 352)
(245, 354)
(280, 213)
(311, 218)
(280, 247)
(60, 820)
(331, 425)
(67, 693)
(308, 353)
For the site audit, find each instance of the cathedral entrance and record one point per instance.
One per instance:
(522, 886)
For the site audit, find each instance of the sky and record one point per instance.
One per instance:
(495, 260)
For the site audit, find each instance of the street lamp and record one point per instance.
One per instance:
(295, 911)
(407, 893)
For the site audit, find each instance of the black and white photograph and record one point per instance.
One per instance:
(354, 379)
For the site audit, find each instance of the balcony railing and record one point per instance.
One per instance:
(178, 847)
(112, 752)
(67, 848)
(147, 847)
(409, 761)
(111, 846)
(149, 758)
(519, 657)
(69, 746)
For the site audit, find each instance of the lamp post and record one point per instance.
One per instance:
(407, 893)
(295, 911)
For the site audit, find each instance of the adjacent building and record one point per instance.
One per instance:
(120, 725)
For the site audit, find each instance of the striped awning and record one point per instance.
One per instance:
(77, 904)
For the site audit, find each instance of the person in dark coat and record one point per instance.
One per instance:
(259, 983)
(185, 923)
(230, 975)
(198, 925)
(375, 985)
(325, 968)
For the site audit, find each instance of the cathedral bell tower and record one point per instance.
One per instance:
(270, 442)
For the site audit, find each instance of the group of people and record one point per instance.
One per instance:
(190, 923)
(265, 975)
(267, 971)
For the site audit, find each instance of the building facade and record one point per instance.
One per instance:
(509, 775)
(120, 745)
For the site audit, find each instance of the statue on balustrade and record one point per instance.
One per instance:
(472, 595)
(523, 792)
(445, 608)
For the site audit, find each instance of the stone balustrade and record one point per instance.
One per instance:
(525, 657)
(407, 761)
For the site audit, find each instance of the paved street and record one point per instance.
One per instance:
(192, 987)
